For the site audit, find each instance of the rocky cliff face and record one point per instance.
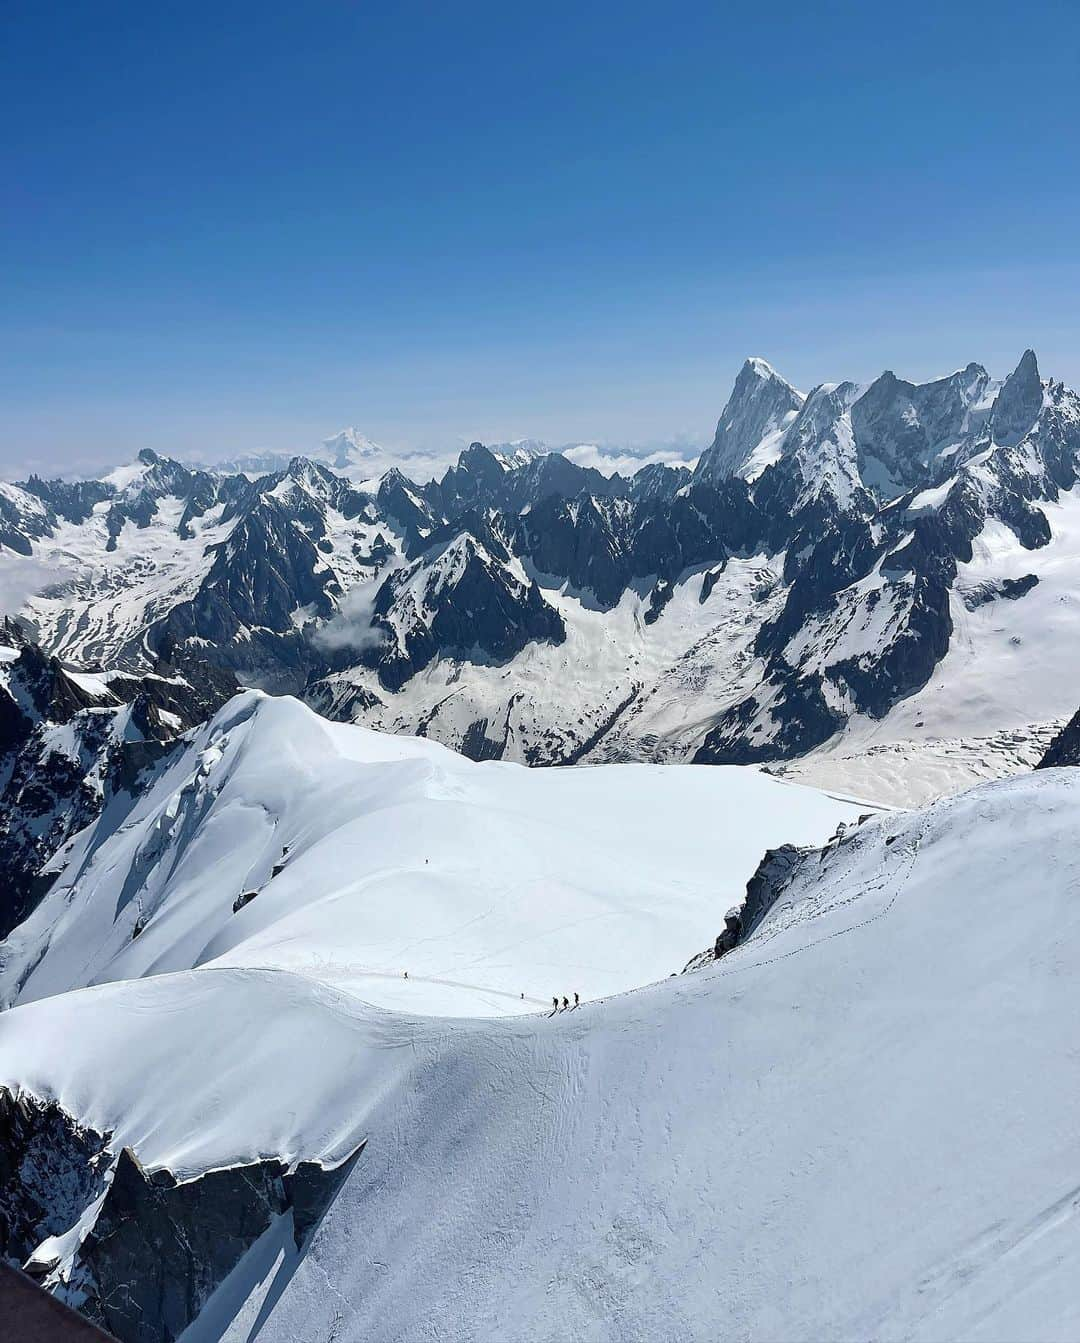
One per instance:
(139, 1252)
(751, 428)
(70, 740)
(463, 598)
(1065, 748)
(397, 606)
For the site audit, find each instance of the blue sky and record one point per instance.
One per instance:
(243, 226)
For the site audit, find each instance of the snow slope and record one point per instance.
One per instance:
(914, 773)
(859, 1124)
(371, 855)
(856, 1126)
(1001, 692)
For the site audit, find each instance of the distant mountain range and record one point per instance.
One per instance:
(860, 563)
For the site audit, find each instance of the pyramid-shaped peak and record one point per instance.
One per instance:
(760, 407)
(760, 369)
(1019, 401)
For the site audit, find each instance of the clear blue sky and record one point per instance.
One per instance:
(245, 225)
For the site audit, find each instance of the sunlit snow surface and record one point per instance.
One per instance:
(860, 1124)
(369, 856)
(998, 696)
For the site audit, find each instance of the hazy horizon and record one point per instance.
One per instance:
(433, 457)
(242, 232)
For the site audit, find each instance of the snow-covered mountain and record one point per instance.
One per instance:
(73, 741)
(348, 452)
(276, 838)
(752, 428)
(836, 575)
(853, 1125)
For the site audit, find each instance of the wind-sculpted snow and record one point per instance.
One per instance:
(857, 1124)
(279, 839)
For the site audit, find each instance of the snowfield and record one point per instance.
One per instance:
(363, 856)
(859, 1124)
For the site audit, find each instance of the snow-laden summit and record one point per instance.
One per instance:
(751, 429)
(349, 452)
(277, 839)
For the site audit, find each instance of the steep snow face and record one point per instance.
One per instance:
(821, 448)
(749, 433)
(850, 1127)
(458, 599)
(281, 840)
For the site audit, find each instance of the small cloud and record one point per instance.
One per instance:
(25, 576)
(625, 461)
(351, 627)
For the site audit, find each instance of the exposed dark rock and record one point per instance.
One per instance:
(760, 401)
(900, 476)
(160, 1247)
(901, 428)
(800, 711)
(662, 593)
(73, 500)
(51, 1168)
(30, 1315)
(772, 875)
(477, 745)
(1065, 748)
(458, 600)
(1011, 589)
(770, 878)
(708, 582)
(728, 938)
(1018, 403)
(50, 786)
(658, 481)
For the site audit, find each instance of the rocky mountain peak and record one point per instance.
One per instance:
(902, 428)
(760, 407)
(347, 447)
(481, 461)
(1018, 403)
